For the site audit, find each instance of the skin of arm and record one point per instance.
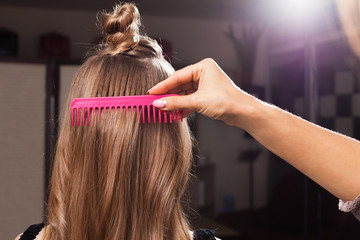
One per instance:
(330, 159)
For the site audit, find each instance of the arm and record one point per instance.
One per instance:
(330, 159)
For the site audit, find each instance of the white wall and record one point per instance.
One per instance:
(22, 131)
(192, 40)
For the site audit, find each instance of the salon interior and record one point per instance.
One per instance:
(292, 53)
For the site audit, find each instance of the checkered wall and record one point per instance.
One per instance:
(339, 104)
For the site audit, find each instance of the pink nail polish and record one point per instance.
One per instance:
(159, 103)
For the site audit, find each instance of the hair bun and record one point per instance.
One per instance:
(121, 28)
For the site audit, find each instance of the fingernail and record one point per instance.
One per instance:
(148, 92)
(159, 103)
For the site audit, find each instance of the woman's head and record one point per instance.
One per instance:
(119, 178)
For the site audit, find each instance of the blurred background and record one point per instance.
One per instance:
(297, 54)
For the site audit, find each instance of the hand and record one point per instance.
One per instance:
(206, 89)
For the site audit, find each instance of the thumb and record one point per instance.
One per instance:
(174, 103)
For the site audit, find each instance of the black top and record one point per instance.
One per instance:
(33, 231)
(204, 234)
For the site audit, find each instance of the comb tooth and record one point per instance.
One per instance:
(148, 112)
(77, 117)
(72, 117)
(171, 117)
(99, 112)
(126, 109)
(159, 115)
(181, 115)
(165, 117)
(89, 115)
(137, 112)
(176, 116)
(92, 113)
(154, 112)
(143, 113)
(83, 116)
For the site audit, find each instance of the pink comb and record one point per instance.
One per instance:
(139, 102)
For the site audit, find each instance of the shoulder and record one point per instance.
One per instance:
(18, 237)
(34, 232)
(38, 237)
(203, 234)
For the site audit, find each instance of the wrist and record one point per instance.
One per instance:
(246, 112)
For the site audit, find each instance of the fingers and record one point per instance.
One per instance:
(181, 80)
(175, 103)
(187, 87)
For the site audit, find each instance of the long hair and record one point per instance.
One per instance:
(119, 178)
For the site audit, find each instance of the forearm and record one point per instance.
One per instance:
(330, 159)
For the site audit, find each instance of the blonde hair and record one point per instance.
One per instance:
(119, 178)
